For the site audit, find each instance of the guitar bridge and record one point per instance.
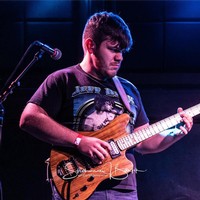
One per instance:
(68, 169)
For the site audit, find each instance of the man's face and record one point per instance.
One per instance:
(107, 59)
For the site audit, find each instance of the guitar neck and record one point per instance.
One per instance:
(131, 140)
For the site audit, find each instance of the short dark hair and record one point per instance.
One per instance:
(100, 101)
(103, 25)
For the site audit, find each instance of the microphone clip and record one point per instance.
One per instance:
(55, 53)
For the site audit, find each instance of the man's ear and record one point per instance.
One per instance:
(90, 45)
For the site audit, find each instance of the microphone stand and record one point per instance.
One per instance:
(1, 120)
(1, 125)
(13, 85)
(9, 90)
(16, 82)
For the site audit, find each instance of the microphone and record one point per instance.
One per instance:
(55, 54)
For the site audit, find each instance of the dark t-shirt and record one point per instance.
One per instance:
(83, 103)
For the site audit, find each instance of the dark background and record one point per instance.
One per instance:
(164, 65)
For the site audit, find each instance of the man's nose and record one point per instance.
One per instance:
(119, 56)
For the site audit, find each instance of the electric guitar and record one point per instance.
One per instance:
(76, 176)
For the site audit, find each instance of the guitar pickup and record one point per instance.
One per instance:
(67, 169)
(115, 152)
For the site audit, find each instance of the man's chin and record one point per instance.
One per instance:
(113, 74)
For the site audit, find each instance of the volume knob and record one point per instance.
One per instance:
(91, 178)
(84, 188)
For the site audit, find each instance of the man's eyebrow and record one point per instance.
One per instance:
(117, 46)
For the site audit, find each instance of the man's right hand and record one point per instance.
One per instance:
(94, 148)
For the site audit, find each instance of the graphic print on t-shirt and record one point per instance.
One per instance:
(105, 111)
(94, 108)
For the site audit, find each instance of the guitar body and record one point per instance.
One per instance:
(76, 177)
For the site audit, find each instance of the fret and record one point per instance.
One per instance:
(164, 125)
(137, 134)
(144, 133)
(124, 142)
(133, 138)
(151, 130)
(140, 135)
(120, 144)
(155, 127)
(198, 109)
(160, 125)
(168, 122)
(129, 141)
(148, 132)
(194, 110)
(175, 119)
(171, 122)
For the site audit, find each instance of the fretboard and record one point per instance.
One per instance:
(132, 139)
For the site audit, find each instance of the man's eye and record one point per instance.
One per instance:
(115, 49)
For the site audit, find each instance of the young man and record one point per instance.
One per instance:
(67, 101)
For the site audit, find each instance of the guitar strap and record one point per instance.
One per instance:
(122, 93)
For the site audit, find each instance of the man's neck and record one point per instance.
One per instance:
(88, 67)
